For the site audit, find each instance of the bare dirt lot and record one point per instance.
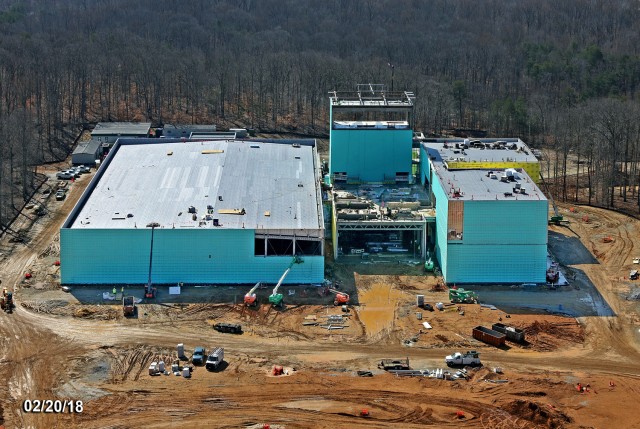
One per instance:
(59, 345)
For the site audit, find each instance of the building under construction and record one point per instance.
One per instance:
(474, 205)
(204, 212)
(377, 206)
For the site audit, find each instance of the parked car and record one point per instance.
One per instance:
(64, 175)
(84, 169)
(61, 194)
(198, 356)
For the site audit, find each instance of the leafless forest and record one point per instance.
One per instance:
(562, 75)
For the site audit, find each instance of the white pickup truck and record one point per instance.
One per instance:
(471, 358)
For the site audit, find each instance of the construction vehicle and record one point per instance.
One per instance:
(128, 306)
(429, 265)
(276, 298)
(471, 358)
(341, 298)
(250, 298)
(460, 296)
(553, 273)
(557, 218)
(6, 301)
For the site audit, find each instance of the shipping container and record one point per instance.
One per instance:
(489, 336)
(513, 334)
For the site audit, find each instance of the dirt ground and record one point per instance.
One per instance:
(59, 345)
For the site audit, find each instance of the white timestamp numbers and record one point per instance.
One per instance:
(55, 406)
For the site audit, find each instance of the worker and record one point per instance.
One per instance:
(122, 290)
(114, 290)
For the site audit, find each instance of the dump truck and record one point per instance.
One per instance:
(215, 359)
(470, 358)
(128, 306)
(513, 334)
(489, 336)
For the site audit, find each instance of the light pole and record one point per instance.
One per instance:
(393, 69)
(149, 291)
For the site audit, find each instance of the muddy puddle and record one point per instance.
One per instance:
(377, 307)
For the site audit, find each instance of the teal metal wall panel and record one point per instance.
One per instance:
(469, 263)
(503, 241)
(371, 155)
(425, 167)
(206, 256)
(442, 214)
(505, 222)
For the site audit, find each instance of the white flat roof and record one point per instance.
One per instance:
(159, 181)
(121, 128)
(486, 185)
(451, 149)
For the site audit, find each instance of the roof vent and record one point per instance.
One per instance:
(192, 209)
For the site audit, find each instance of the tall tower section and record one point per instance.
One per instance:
(371, 135)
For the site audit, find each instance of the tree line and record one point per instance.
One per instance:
(562, 75)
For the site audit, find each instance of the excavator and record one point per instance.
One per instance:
(341, 298)
(250, 299)
(276, 298)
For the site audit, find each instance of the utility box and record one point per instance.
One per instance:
(180, 350)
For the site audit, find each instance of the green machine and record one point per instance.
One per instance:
(463, 296)
(429, 265)
(276, 298)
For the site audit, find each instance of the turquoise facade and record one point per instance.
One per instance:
(371, 155)
(202, 256)
(504, 241)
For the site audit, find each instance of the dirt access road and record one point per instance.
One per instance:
(46, 355)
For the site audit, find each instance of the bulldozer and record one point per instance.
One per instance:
(6, 301)
(460, 296)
